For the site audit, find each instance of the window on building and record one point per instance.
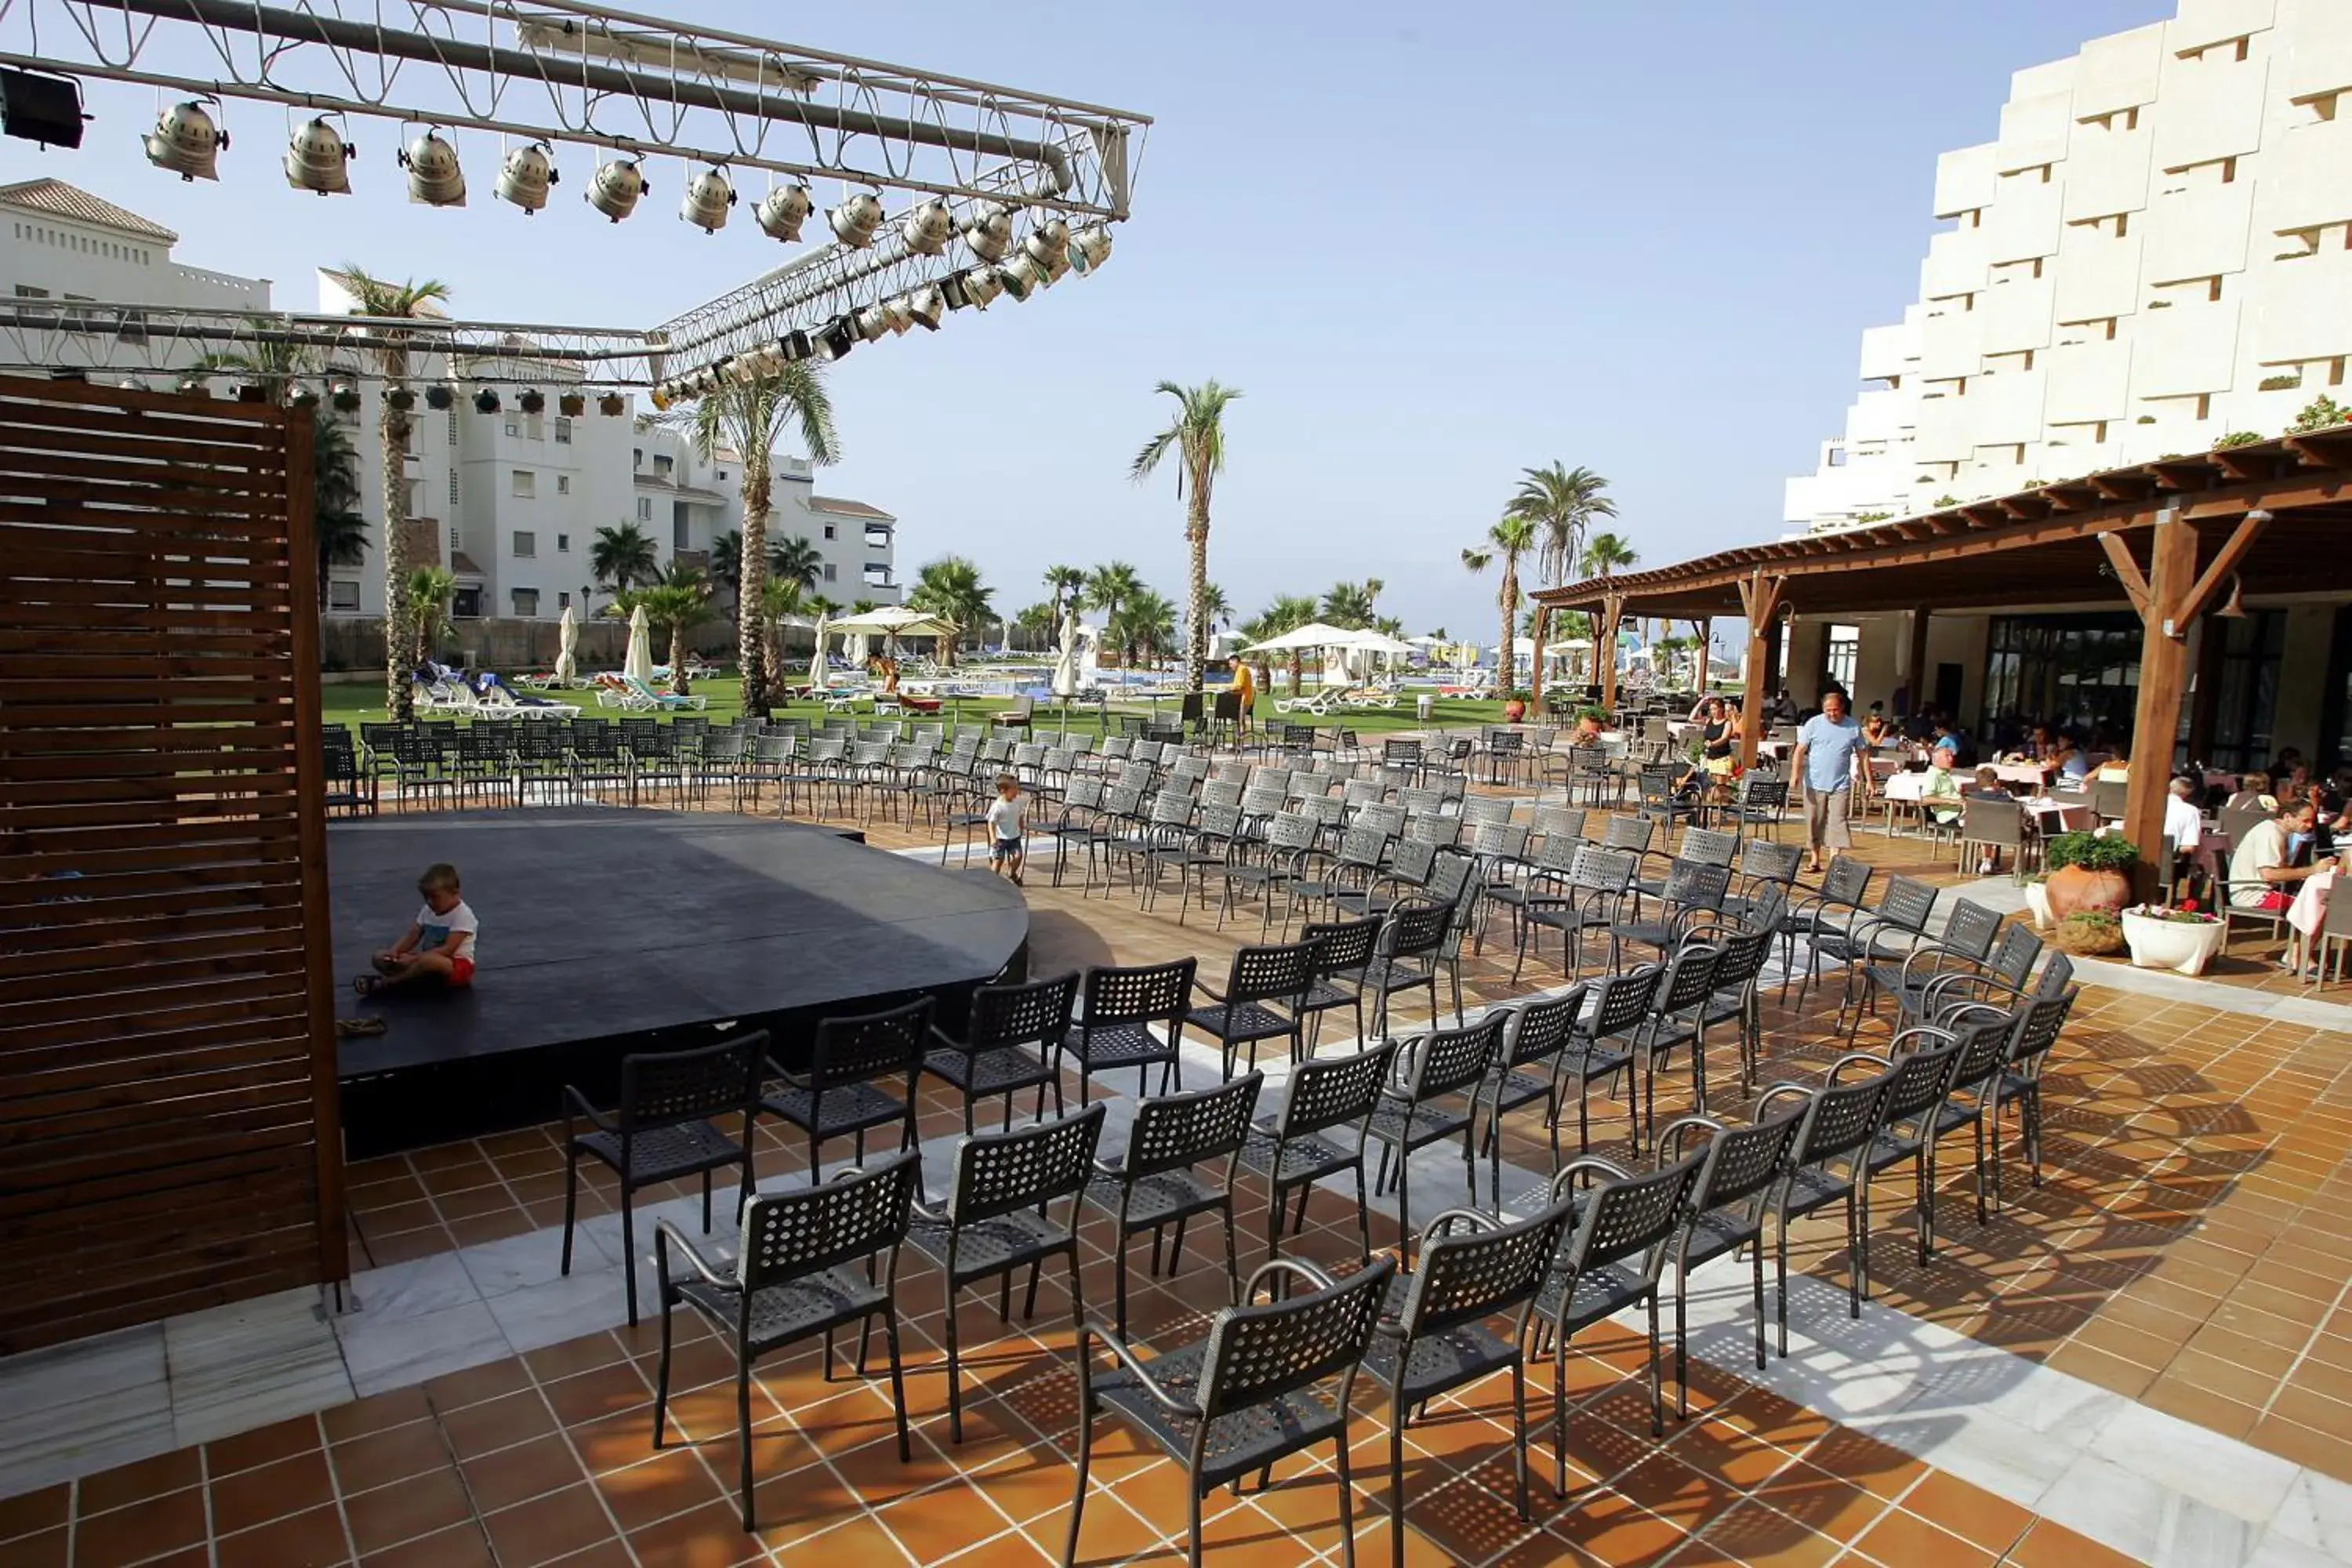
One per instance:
(534, 426)
(563, 484)
(681, 528)
(644, 509)
(637, 457)
(830, 575)
(829, 532)
(562, 601)
(1837, 457)
(526, 602)
(525, 483)
(1841, 652)
(2079, 670)
(454, 544)
(465, 604)
(514, 427)
(453, 426)
(664, 462)
(27, 291)
(562, 543)
(343, 594)
(722, 476)
(525, 544)
(453, 489)
(2245, 695)
(563, 432)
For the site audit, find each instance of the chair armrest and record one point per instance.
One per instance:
(924, 1209)
(664, 1234)
(1475, 1219)
(1609, 1168)
(769, 1068)
(1936, 953)
(1852, 1059)
(1315, 1277)
(574, 1100)
(1670, 1137)
(1796, 1089)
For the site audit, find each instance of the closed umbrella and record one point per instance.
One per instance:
(639, 664)
(818, 673)
(567, 648)
(1065, 660)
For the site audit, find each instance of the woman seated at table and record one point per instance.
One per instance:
(2116, 768)
(1876, 731)
(2253, 790)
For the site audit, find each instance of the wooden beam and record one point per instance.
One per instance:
(2127, 571)
(2163, 678)
(1760, 597)
(1706, 639)
(2177, 616)
(1604, 651)
(1918, 680)
(2322, 449)
(1536, 670)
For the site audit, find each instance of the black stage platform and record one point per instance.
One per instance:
(608, 931)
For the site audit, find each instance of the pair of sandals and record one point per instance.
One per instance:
(354, 1028)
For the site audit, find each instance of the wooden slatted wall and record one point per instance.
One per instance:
(168, 1130)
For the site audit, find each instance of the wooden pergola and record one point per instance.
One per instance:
(2164, 539)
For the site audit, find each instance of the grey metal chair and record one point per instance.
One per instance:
(1837, 1123)
(1527, 1070)
(663, 1130)
(1592, 897)
(1289, 1150)
(1691, 893)
(1116, 1011)
(1965, 942)
(1153, 1187)
(1260, 1002)
(1470, 1270)
(1603, 1043)
(1000, 1217)
(1340, 962)
(1738, 1169)
(1837, 902)
(1011, 1041)
(1405, 955)
(842, 1092)
(795, 1275)
(1432, 1095)
(1249, 1395)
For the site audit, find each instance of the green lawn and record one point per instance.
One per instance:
(364, 703)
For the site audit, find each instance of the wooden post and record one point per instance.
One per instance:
(2163, 678)
(1535, 672)
(1604, 651)
(1919, 661)
(1706, 637)
(1760, 600)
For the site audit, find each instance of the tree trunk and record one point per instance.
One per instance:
(751, 583)
(1196, 641)
(1298, 671)
(399, 694)
(678, 658)
(1507, 662)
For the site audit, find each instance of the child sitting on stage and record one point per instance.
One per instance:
(439, 943)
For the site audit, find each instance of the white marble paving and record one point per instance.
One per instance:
(251, 1363)
(401, 1352)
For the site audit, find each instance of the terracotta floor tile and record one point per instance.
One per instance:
(1752, 1532)
(524, 1471)
(495, 1424)
(935, 1525)
(377, 1413)
(2052, 1545)
(476, 1385)
(313, 1539)
(125, 1484)
(42, 1548)
(262, 1445)
(547, 1528)
(710, 1536)
(252, 1497)
(670, 1482)
(46, 1509)
(1898, 1539)
(1968, 1511)
(395, 1454)
(606, 1391)
(143, 1530)
(420, 1505)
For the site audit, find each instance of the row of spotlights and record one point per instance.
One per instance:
(1049, 254)
(343, 396)
(188, 142)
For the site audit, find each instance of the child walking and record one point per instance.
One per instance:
(1007, 815)
(439, 943)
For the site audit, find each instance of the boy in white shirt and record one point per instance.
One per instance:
(439, 943)
(1007, 815)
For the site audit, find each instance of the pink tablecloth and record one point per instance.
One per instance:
(2310, 906)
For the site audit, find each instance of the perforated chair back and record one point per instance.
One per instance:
(1741, 1162)
(1335, 1092)
(1629, 1216)
(1764, 860)
(1261, 799)
(1480, 810)
(1560, 821)
(1415, 929)
(2038, 1029)
(1539, 1030)
(1971, 930)
(1500, 840)
(1002, 1172)
(1624, 1000)
(1559, 853)
(871, 1046)
(791, 1234)
(1380, 817)
(1695, 885)
(1600, 870)
(1177, 1131)
(1708, 846)
(1036, 1012)
(1449, 876)
(2056, 976)
(1840, 1118)
(1921, 1076)
(1142, 994)
(1631, 835)
(1448, 1061)
(1689, 977)
(1743, 953)
(1468, 1276)
(1413, 860)
(663, 1089)
(1255, 1355)
(2014, 956)
(1346, 945)
(1907, 904)
(1845, 882)
(1277, 973)
(1984, 1036)
(1292, 831)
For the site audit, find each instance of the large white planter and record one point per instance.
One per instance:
(2186, 946)
(2037, 904)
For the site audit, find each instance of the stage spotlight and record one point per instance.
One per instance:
(399, 398)
(873, 323)
(524, 177)
(612, 406)
(304, 398)
(571, 405)
(440, 395)
(782, 212)
(434, 177)
(855, 220)
(43, 108)
(614, 188)
(975, 288)
(987, 232)
(835, 341)
(252, 392)
(928, 228)
(661, 396)
(926, 306)
(1090, 247)
(344, 397)
(486, 401)
(317, 159)
(532, 401)
(131, 383)
(1049, 240)
(708, 197)
(1022, 277)
(195, 385)
(1056, 266)
(792, 348)
(185, 141)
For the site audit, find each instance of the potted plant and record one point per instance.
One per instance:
(1515, 706)
(2088, 872)
(2090, 934)
(2037, 899)
(2180, 937)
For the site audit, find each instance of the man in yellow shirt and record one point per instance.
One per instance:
(1244, 686)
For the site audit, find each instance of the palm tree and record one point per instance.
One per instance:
(1561, 502)
(1145, 624)
(427, 599)
(1507, 540)
(950, 589)
(1605, 554)
(1350, 603)
(276, 366)
(726, 559)
(1061, 582)
(779, 597)
(1287, 614)
(1197, 434)
(677, 604)
(1035, 622)
(623, 557)
(393, 301)
(797, 559)
(335, 523)
(750, 417)
(1109, 585)
(1215, 606)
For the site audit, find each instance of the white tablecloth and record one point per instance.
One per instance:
(2310, 906)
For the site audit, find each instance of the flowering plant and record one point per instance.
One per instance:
(2185, 912)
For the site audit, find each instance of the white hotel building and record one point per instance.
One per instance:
(2154, 253)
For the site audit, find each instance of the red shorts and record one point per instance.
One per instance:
(461, 972)
(2272, 900)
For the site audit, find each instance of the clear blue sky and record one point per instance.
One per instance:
(1433, 245)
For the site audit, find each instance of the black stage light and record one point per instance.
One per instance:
(43, 108)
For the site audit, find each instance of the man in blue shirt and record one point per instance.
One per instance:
(1828, 760)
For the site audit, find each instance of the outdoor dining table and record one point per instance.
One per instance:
(2032, 774)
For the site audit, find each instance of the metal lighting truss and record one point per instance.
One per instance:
(562, 72)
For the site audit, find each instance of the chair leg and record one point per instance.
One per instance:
(1347, 1505)
(1085, 1448)
(1192, 1511)
(1756, 1256)
(955, 1392)
(1396, 1478)
(1657, 1390)
(661, 1376)
(629, 1250)
(1520, 1432)
(743, 1425)
(571, 1201)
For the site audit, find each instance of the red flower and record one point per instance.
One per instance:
(2190, 905)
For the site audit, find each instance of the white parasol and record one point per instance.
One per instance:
(567, 648)
(640, 663)
(817, 671)
(1065, 660)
